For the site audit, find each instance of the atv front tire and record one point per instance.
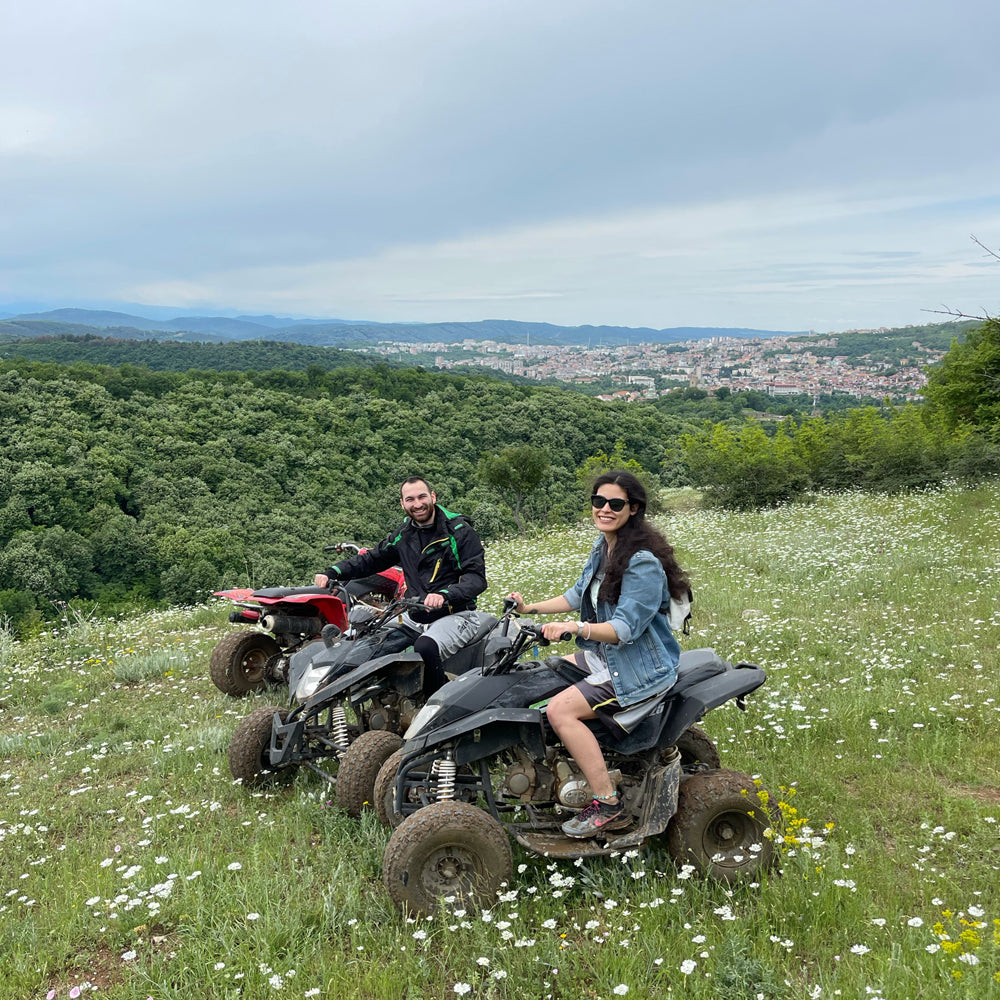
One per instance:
(359, 767)
(384, 793)
(719, 827)
(238, 662)
(446, 849)
(250, 749)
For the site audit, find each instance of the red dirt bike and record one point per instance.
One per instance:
(286, 618)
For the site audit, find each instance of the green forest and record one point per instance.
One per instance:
(125, 484)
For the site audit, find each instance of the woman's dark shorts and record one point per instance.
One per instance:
(606, 706)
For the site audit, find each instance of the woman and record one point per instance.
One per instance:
(625, 641)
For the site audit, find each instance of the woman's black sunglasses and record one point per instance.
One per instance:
(615, 503)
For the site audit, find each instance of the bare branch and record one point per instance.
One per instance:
(989, 252)
(957, 313)
(985, 317)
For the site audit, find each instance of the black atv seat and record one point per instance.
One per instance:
(695, 666)
(473, 654)
(276, 593)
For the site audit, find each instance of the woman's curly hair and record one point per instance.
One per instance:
(637, 533)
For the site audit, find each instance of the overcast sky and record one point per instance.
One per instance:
(773, 164)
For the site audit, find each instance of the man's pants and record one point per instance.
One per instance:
(443, 639)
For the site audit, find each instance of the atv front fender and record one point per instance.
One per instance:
(486, 733)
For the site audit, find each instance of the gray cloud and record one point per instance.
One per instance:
(383, 158)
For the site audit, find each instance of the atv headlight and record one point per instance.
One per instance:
(423, 719)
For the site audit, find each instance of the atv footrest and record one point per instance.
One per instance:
(558, 845)
(659, 799)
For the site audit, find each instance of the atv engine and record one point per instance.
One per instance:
(557, 780)
(390, 710)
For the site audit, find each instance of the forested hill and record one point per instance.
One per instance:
(176, 356)
(124, 483)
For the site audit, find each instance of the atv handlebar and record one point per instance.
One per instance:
(528, 633)
(510, 608)
(351, 547)
(535, 631)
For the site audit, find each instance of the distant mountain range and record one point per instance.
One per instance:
(348, 333)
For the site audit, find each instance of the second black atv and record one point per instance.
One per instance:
(351, 697)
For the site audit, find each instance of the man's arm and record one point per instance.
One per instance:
(472, 581)
(374, 560)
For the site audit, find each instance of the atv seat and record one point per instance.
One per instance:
(474, 654)
(277, 593)
(695, 666)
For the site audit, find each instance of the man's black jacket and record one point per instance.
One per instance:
(444, 558)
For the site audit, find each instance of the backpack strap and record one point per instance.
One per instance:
(678, 612)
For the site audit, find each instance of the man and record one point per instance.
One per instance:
(444, 565)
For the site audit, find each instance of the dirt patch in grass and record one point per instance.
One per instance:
(104, 967)
(980, 794)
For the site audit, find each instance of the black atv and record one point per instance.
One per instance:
(480, 761)
(352, 695)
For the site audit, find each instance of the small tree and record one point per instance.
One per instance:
(597, 465)
(514, 473)
(745, 469)
(966, 384)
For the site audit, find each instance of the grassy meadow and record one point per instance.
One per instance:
(132, 866)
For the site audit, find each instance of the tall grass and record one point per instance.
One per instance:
(132, 866)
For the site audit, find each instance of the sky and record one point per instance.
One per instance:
(769, 164)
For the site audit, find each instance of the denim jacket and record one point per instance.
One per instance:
(644, 660)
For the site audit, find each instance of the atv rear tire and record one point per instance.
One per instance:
(698, 751)
(359, 767)
(249, 749)
(446, 849)
(719, 827)
(238, 662)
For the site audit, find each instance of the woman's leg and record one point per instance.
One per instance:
(566, 711)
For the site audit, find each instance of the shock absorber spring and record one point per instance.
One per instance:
(443, 771)
(338, 727)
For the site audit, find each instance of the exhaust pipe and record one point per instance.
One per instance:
(285, 624)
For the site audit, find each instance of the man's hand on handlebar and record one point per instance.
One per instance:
(322, 580)
(434, 601)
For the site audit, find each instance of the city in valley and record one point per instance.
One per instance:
(783, 365)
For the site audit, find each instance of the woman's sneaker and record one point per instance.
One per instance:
(596, 818)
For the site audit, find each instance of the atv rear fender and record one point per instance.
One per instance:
(734, 683)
